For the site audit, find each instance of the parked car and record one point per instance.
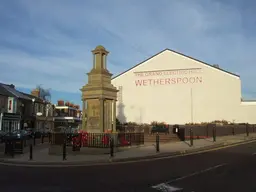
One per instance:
(2, 135)
(160, 129)
(19, 134)
(30, 132)
(37, 133)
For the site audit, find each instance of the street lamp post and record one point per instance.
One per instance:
(1, 118)
(22, 116)
(48, 107)
(33, 111)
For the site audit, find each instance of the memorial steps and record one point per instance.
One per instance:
(164, 138)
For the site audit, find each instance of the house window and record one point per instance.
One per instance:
(42, 108)
(36, 107)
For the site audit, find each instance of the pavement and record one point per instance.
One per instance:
(134, 154)
(226, 169)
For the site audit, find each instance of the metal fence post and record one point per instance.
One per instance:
(111, 143)
(130, 138)
(214, 134)
(207, 130)
(191, 137)
(247, 130)
(157, 143)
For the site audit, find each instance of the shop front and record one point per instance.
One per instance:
(10, 122)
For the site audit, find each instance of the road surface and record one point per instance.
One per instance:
(230, 169)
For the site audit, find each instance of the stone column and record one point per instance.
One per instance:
(101, 115)
(110, 116)
(106, 113)
(83, 117)
(114, 115)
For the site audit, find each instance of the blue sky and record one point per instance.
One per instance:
(49, 42)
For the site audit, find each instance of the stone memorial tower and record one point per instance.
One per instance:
(99, 96)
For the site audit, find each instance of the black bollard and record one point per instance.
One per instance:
(111, 142)
(247, 130)
(49, 138)
(12, 148)
(64, 151)
(80, 140)
(214, 134)
(233, 130)
(6, 147)
(191, 137)
(25, 142)
(157, 143)
(42, 138)
(30, 151)
(34, 140)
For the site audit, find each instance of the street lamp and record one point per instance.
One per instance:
(33, 107)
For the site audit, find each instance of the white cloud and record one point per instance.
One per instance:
(53, 39)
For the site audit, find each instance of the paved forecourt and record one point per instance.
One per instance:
(147, 152)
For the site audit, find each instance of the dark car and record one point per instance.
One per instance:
(18, 135)
(71, 133)
(30, 131)
(38, 133)
(160, 129)
(2, 135)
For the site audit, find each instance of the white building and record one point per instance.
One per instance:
(176, 89)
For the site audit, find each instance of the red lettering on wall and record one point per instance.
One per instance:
(185, 80)
(168, 72)
(138, 82)
(168, 81)
(199, 79)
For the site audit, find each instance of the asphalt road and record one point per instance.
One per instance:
(231, 169)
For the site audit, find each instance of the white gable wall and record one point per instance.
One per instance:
(217, 97)
(248, 112)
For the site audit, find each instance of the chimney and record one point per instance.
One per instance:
(12, 86)
(60, 103)
(216, 66)
(35, 92)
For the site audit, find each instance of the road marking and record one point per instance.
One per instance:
(197, 173)
(166, 188)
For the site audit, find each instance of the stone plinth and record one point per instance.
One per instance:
(56, 146)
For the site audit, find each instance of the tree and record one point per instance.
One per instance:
(44, 94)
